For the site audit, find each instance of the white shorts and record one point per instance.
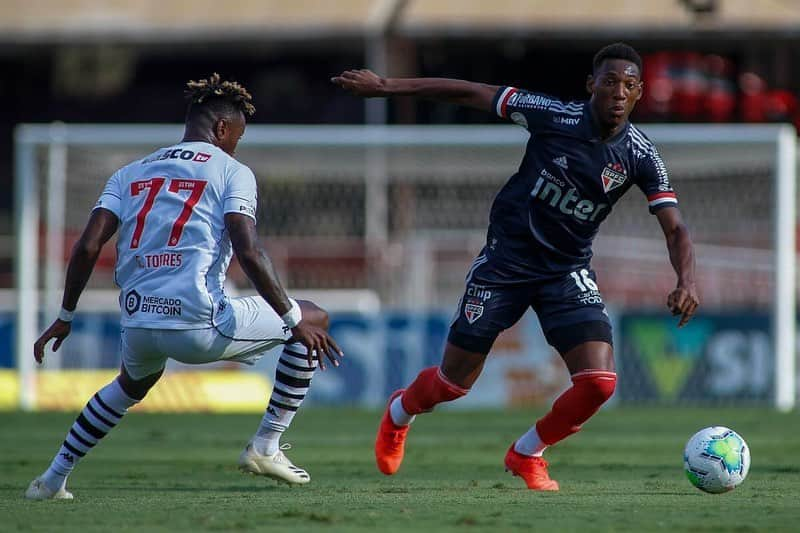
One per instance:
(251, 328)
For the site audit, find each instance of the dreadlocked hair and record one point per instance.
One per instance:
(214, 90)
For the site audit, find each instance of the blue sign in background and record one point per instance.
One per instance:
(725, 358)
(384, 351)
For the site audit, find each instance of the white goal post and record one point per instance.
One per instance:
(35, 143)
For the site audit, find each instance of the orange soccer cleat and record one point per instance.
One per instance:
(533, 470)
(391, 440)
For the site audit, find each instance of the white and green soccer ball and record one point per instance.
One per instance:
(716, 459)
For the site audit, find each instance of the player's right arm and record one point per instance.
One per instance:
(259, 269)
(101, 226)
(367, 84)
(528, 109)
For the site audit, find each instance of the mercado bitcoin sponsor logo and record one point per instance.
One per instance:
(132, 302)
(154, 305)
(158, 305)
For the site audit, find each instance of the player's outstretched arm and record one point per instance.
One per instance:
(257, 266)
(683, 300)
(367, 84)
(101, 226)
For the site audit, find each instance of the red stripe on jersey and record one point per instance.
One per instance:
(660, 195)
(505, 102)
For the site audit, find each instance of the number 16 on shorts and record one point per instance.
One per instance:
(587, 286)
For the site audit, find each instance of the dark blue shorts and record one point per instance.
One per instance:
(569, 306)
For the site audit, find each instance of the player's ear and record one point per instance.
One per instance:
(220, 129)
(590, 84)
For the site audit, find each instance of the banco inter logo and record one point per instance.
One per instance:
(549, 189)
(132, 302)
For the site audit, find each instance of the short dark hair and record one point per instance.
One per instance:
(617, 51)
(217, 96)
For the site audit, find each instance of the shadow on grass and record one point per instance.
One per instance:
(276, 487)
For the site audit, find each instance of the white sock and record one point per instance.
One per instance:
(101, 414)
(398, 414)
(292, 380)
(268, 443)
(530, 444)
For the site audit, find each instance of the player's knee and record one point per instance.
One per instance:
(315, 314)
(596, 386)
(137, 388)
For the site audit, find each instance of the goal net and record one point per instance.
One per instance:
(370, 218)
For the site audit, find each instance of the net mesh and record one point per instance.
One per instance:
(322, 220)
(313, 203)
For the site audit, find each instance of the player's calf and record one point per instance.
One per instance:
(100, 415)
(590, 389)
(429, 389)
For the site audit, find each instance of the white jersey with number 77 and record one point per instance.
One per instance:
(172, 249)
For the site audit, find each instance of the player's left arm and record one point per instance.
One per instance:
(259, 269)
(100, 228)
(653, 179)
(683, 300)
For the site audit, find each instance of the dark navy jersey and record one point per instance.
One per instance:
(545, 217)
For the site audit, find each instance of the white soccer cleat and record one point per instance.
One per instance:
(276, 466)
(37, 490)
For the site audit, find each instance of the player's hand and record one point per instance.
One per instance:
(683, 301)
(361, 82)
(318, 343)
(58, 331)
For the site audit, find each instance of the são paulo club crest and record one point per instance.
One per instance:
(613, 176)
(476, 297)
(473, 312)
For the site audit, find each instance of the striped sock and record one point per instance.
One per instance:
(101, 414)
(292, 380)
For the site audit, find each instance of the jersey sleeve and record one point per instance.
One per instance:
(240, 195)
(111, 197)
(527, 109)
(653, 180)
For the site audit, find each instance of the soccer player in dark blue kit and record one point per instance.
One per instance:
(580, 159)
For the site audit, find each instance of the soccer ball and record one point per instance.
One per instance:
(716, 459)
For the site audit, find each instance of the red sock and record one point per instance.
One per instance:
(430, 388)
(590, 389)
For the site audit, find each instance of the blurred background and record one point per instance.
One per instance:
(383, 234)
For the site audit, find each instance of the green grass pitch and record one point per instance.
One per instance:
(623, 472)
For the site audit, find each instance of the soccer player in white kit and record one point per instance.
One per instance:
(182, 212)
